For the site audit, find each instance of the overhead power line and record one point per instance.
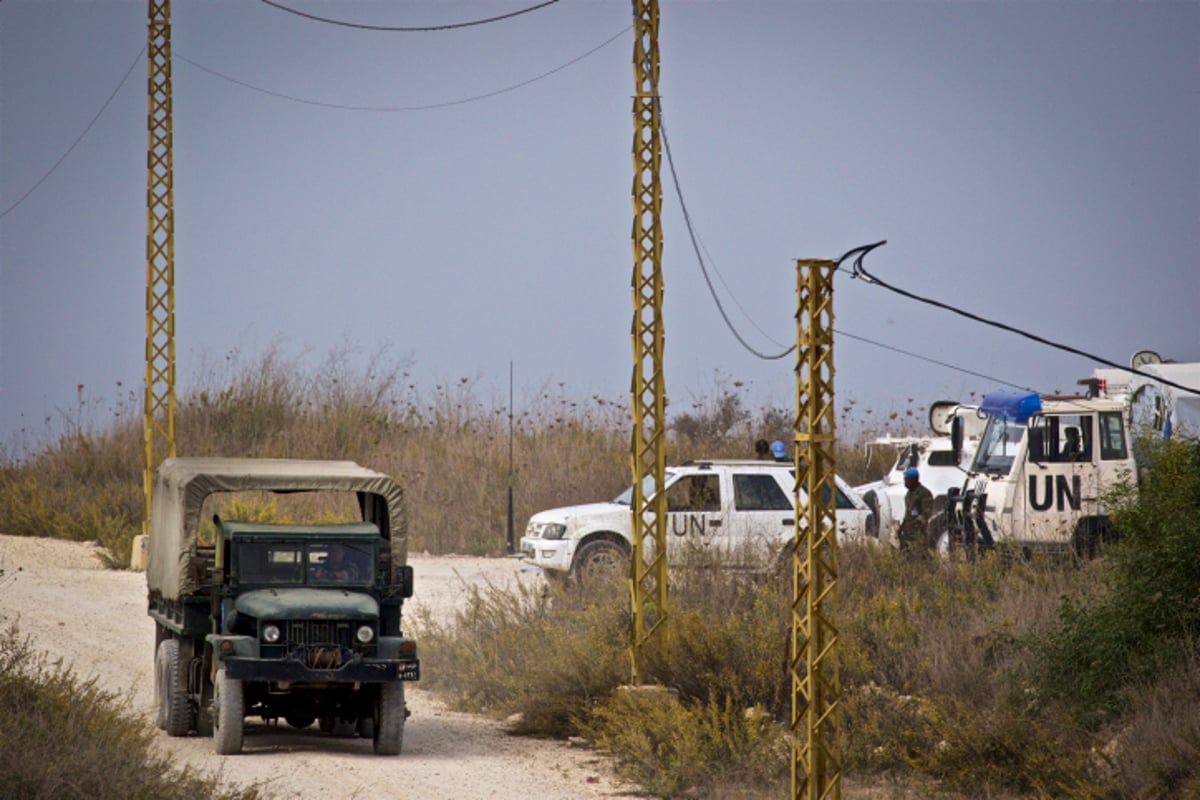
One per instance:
(859, 271)
(696, 248)
(911, 354)
(860, 251)
(423, 107)
(78, 139)
(291, 98)
(394, 29)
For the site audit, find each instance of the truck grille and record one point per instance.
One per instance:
(316, 633)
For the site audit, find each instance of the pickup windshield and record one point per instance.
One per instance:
(626, 497)
(998, 446)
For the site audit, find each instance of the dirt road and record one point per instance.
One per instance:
(95, 619)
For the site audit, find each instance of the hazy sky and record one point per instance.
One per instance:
(1033, 162)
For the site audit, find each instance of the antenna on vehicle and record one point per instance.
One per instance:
(510, 540)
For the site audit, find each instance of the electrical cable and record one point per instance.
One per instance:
(425, 107)
(696, 248)
(859, 271)
(717, 300)
(911, 354)
(389, 29)
(79, 138)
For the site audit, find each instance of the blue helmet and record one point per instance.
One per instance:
(912, 472)
(777, 449)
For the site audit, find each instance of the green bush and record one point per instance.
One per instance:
(1150, 603)
(62, 737)
(669, 747)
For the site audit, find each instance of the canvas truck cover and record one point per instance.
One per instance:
(182, 484)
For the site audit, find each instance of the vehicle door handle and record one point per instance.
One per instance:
(791, 522)
(714, 523)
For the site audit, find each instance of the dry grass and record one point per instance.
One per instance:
(941, 691)
(64, 737)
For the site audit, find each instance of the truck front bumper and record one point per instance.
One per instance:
(552, 554)
(364, 670)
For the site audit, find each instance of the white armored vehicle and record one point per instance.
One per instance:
(1040, 473)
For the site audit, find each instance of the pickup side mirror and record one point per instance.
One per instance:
(402, 580)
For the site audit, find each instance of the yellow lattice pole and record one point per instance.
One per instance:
(816, 770)
(158, 413)
(648, 565)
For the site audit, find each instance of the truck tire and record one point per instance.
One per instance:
(228, 717)
(175, 714)
(366, 727)
(600, 559)
(389, 719)
(299, 720)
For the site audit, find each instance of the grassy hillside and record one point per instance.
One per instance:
(1003, 678)
(449, 447)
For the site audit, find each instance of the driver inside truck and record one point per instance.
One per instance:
(338, 565)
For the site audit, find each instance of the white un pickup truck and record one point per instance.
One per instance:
(743, 509)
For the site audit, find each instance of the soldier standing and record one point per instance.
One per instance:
(918, 508)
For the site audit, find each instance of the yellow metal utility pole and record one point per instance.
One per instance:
(648, 566)
(158, 420)
(816, 770)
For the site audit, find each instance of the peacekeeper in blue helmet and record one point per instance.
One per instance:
(918, 508)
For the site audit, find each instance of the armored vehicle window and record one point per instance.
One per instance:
(942, 458)
(1112, 436)
(998, 446)
(1061, 437)
(759, 492)
(270, 562)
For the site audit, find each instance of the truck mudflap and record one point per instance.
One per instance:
(366, 670)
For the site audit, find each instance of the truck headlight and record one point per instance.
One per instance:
(365, 633)
(554, 530)
(271, 634)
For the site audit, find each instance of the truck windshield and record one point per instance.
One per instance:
(339, 563)
(998, 446)
(287, 563)
(270, 562)
(626, 497)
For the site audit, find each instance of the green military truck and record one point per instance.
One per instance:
(294, 622)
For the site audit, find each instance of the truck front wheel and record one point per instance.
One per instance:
(389, 719)
(600, 559)
(174, 710)
(228, 718)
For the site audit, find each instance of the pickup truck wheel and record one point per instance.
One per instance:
(389, 719)
(174, 710)
(228, 719)
(600, 559)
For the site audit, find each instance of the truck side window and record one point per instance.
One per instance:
(759, 492)
(1112, 436)
(695, 493)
